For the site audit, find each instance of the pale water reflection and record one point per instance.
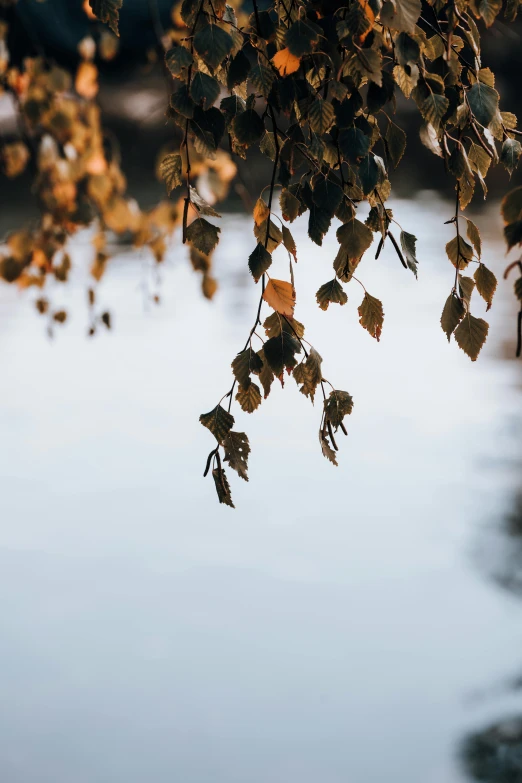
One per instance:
(331, 628)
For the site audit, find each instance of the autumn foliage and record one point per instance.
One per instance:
(312, 85)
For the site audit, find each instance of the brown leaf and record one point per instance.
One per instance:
(261, 212)
(281, 296)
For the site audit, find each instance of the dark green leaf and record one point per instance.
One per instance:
(178, 60)
(327, 195)
(369, 174)
(262, 78)
(263, 24)
(182, 102)
(408, 248)
(248, 127)
(210, 123)
(318, 223)
(434, 108)
(266, 376)
(510, 154)
(354, 144)
(290, 205)
(245, 363)
(407, 49)
(452, 314)
(203, 235)
(238, 70)
(280, 352)
(259, 261)
(483, 102)
(395, 143)
(204, 89)
(321, 115)
(369, 64)
(212, 44)
(301, 37)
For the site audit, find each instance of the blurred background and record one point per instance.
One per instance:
(357, 623)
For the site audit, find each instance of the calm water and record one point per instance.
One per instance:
(333, 627)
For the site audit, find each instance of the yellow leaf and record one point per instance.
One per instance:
(261, 212)
(86, 83)
(286, 62)
(365, 5)
(281, 296)
(96, 163)
(88, 10)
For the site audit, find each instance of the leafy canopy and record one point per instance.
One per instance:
(312, 85)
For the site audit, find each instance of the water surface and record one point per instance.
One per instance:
(333, 626)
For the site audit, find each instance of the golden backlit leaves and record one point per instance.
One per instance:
(261, 211)
(286, 62)
(280, 295)
(88, 10)
(86, 82)
(370, 16)
(15, 157)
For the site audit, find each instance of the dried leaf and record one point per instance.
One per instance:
(309, 374)
(249, 398)
(371, 315)
(327, 450)
(331, 292)
(218, 421)
(338, 405)
(222, 487)
(280, 295)
(237, 449)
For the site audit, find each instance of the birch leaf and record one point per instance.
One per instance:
(280, 295)
(471, 335)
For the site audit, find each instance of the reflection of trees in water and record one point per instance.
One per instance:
(508, 572)
(494, 755)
